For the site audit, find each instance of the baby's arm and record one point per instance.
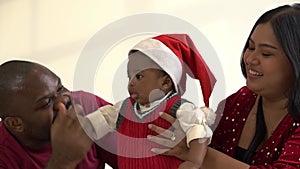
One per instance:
(194, 122)
(103, 120)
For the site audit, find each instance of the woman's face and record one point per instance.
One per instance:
(269, 72)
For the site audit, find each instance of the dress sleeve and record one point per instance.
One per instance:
(195, 121)
(104, 120)
(289, 154)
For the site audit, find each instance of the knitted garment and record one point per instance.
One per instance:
(134, 149)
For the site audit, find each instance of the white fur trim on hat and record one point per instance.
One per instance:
(163, 56)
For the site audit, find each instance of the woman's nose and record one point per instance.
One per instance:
(251, 59)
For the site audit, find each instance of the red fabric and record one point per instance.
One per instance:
(281, 150)
(184, 48)
(89, 101)
(15, 156)
(134, 149)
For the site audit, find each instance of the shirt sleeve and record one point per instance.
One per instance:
(88, 101)
(194, 121)
(104, 120)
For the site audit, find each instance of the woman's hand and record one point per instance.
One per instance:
(174, 141)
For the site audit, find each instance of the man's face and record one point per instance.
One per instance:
(35, 103)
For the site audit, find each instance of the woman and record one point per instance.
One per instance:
(260, 123)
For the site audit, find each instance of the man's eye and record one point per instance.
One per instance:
(60, 89)
(47, 102)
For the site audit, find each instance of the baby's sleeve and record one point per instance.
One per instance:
(103, 120)
(195, 121)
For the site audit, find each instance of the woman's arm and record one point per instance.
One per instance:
(178, 147)
(216, 160)
(213, 158)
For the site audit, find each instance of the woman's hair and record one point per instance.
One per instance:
(285, 21)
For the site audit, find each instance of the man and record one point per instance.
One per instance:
(39, 127)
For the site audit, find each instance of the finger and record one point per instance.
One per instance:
(170, 119)
(71, 113)
(162, 141)
(78, 109)
(167, 117)
(159, 151)
(75, 110)
(161, 131)
(61, 112)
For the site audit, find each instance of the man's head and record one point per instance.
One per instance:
(29, 93)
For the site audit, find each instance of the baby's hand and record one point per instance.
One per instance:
(188, 165)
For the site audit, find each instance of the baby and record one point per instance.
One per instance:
(157, 69)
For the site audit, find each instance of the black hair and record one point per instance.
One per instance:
(285, 21)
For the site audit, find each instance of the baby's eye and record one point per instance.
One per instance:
(138, 76)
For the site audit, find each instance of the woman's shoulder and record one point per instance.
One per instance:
(242, 98)
(244, 93)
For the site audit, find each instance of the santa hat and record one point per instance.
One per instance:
(177, 55)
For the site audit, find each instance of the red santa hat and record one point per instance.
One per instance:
(177, 55)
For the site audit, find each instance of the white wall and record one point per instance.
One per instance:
(55, 32)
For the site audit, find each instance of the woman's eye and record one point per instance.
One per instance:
(266, 54)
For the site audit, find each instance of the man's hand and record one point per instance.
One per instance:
(69, 141)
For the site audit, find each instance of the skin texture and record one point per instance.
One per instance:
(266, 57)
(35, 113)
(36, 110)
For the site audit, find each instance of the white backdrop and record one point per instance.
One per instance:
(54, 33)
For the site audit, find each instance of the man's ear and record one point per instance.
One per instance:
(14, 124)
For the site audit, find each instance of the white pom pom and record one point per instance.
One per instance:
(209, 114)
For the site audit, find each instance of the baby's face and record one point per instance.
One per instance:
(146, 86)
(145, 79)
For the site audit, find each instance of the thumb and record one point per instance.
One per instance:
(61, 111)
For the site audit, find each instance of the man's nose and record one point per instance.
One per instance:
(64, 98)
